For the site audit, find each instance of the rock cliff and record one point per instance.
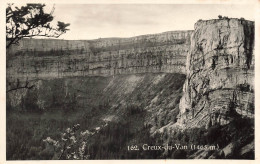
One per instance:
(220, 73)
(171, 85)
(217, 58)
(49, 58)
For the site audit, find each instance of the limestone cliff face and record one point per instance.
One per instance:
(220, 73)
(48, 58)
(217, 58)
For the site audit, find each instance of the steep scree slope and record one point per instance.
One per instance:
(157, 94)
(219, 78)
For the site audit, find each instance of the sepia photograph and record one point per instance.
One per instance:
(130, 81)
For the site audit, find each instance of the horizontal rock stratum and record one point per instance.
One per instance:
(220, 73)
(217, 58)
(50, 58)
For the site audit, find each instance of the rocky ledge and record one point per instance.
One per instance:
(50, 58)
(220, 73)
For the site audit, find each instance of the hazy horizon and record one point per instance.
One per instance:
(94, 21)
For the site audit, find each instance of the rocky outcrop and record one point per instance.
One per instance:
(48, 58)
(220, 73)
(217, 57)
(166, 83)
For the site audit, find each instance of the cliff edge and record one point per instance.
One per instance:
(50, 58)
(220, 73)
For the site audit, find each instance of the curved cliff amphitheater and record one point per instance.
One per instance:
(180, 79)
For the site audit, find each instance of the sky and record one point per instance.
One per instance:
(92, 21)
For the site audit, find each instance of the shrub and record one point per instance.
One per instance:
(134, 109)
(244, 87)
(72, 144)
(213, 133)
